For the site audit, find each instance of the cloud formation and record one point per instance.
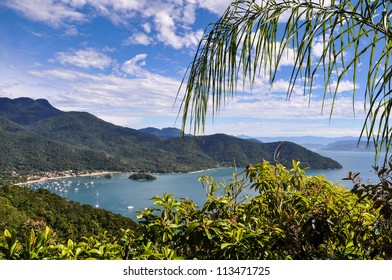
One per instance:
(168, 21)
(134, 71)
(86, 58)
(134, 65)
(54, 13)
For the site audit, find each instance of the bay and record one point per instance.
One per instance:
(123, 196)
(357, 162)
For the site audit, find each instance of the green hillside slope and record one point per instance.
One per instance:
(227, 150)
(37, 136)
(22, 208)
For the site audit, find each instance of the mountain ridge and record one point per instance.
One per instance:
(24, 110)
(70, 133)
(166, 132)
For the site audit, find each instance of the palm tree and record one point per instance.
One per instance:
(253, 37)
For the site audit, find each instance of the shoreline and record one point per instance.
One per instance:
(209, 169)
(93, 174)
(101, 173)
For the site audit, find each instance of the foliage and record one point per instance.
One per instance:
(381, 195)
(142, 176)
(292, 216)
(254, 37)
(286, 215)
(22, 209)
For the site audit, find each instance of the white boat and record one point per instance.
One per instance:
(130, 207)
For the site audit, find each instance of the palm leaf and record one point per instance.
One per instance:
(252, 38)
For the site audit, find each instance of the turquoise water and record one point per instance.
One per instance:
(123, 196)
(118, 193)
(358, 162)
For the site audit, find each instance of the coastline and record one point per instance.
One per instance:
(209, 169)
(100, 173)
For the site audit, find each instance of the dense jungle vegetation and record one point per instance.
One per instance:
(293, 216)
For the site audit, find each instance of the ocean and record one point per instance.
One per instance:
(123, 196)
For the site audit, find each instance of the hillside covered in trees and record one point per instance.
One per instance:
(23, 209)
(38, 137)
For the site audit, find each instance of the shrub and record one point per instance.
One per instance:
(269, 212)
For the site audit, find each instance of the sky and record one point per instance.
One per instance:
(124, 60)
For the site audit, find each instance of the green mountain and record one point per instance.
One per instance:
(25, 110)
(24, 152)
(226, 150)
(37, 136)
(137, 150)
(166, 132)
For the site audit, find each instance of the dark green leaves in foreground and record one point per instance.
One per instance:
(288, 216)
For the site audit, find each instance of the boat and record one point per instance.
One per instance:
(130, 207)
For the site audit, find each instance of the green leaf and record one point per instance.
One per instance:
(225, 245)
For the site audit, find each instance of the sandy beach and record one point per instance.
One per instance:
(101, 173)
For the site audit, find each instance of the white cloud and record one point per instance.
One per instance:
(134, 65)
(87, 58)
(344, 86)
(139, 38)
(189, 13)
(111, 95)
(265, 128)
(147, 27)
(318, 47)
(129, 100)
(170, 19)
(54, 13)
(132, 92)
(55, 73)
(216, 6)
(71, 31)
(270, 102)
(165, 25)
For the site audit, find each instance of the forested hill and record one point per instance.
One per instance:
(226, 149)
(37, 136)
(25, 110)
(22, 208)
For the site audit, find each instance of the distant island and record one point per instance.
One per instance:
(38, 138)
(142, 176)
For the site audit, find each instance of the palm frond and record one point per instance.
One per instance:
(252, 38)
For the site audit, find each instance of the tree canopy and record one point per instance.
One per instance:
(254, 37)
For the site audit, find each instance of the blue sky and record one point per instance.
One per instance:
(123, 61)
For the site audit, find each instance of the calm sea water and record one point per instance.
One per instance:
(123, 196)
